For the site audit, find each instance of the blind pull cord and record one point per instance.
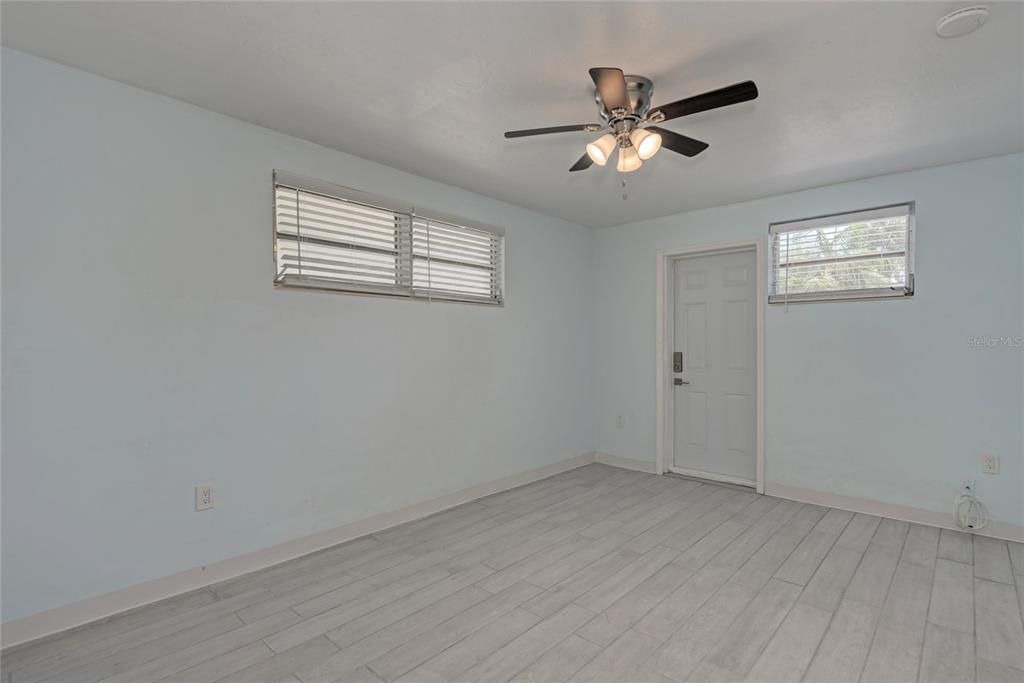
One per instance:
(786, 305)
(430, 272)
(298, 231)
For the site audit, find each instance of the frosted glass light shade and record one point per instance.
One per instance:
(629, 160)
(647, 143)
(600, 150)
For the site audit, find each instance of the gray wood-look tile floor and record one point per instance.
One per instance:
(597, 574)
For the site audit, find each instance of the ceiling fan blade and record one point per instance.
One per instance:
(679, 143)
(583, 163)
(611, 85)
(723, 97)
(553, 129)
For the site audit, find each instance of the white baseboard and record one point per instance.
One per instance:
(41, 624)
(647, 466)
(944, 520)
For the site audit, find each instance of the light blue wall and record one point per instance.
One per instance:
(145, 349)
(873, 399)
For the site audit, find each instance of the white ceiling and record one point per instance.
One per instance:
(848, 90)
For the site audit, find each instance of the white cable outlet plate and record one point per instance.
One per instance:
(204, 496)
(989, 463)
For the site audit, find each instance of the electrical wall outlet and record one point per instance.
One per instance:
(620, 421)
(989, 463)
(204, 496)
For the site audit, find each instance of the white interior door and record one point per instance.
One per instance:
(715, 329)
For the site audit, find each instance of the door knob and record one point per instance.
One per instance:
(678, 381)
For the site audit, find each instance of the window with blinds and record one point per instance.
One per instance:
(329, 237)
(859, 255)
(455, 262)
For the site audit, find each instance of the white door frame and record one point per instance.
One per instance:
(665, 295)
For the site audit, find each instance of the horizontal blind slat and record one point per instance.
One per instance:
(310, 263)
(421, 235)
(340, 215)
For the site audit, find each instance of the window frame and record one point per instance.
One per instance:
(776, 229)
(406, 215)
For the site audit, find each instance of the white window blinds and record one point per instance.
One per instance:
(864, 254)
(328, 237)
(455, 262)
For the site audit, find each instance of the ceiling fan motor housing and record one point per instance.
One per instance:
(639, 90)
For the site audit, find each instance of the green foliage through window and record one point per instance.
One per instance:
(852, 254)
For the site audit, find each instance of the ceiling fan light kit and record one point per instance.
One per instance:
(600, 150)
(629, 160)
(624, 104)
(647, 142)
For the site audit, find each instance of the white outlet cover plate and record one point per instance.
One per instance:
(989, 463)
(204, 496)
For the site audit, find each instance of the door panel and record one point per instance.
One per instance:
(715, 329)
(696, 335)
(697, 424)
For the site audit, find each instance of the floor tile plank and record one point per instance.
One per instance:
(997, 618)
(284, 664)
(1016, 557)
(921, 545)
(222, 665)
(666, 618)
(952, 603)
(683, 653)
(844, 648)
(364, 651)
(508, 661)
(630, 608)
(992, 560)
(527, 567)
(619, 660)
(604, 594)
(453, 662)
(871, 580)
(956, 546)
(801, 565)
(859, 531)
(891, 533)
(560, 662)
(739, 648)
(789, 652)
(991, 672)
(558, 596)
(418, 650)
(140, 655)
(182, 658)
(460, 584)
(896, 650)
(826, 587)
(948, 655)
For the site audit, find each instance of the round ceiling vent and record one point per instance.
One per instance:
(962, 21)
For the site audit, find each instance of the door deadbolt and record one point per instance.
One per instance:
(677, 361)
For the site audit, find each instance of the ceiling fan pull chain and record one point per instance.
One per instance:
(625, 193)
